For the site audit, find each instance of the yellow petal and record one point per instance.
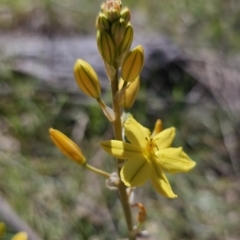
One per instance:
(160, 183)
(67, 146)
(122, 150)
(20, 236)
(173, 160)
(165, 138)
(157, 128)
(136, 133)
(137, 172)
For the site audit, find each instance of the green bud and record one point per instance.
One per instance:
(102, 22)
(118, 30)
(112, 9)
(113, 15)
(125, 45)
(106, 47)
(132, 64)
(127, 40)
(87, 79)
(126, 15)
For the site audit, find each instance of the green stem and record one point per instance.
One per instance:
(96, 170)
(117, 127)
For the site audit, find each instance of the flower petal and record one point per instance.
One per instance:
(122, 150)
(165, 138)
(157, 128)
(161, 183)
(136, 173)
(136, 133)
(173, 160)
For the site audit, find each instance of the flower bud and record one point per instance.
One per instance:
(132, 64)
(125, 45)
(102, 22)
(126, 15)
(127, 40)
(118, 30)
(130, 93)
(87, 79)
(106, 47)
(20, 236)
(67, 146)
(112, 9)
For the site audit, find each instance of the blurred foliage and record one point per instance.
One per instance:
(60, 200)
(191, 23)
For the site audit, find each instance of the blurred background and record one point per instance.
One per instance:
(191, 80)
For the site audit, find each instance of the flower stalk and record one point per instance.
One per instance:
(117, 127)
(97, 170)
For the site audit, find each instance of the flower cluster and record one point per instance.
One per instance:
(140, 155)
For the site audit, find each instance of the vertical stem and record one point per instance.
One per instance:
(117, 127)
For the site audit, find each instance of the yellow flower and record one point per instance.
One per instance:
(20, 236)
(148, 157)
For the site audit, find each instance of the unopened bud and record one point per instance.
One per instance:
(102, 23)
(125, 45)
(127, 40)
(132, 64)
(130, 93)
(118, 30)
(157, 128)
(87, 79)
(20, 236)
(67, 146)
(106, 47)
(112, 9)
(126, 15)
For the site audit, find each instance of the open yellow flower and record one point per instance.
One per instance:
(148, 157)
